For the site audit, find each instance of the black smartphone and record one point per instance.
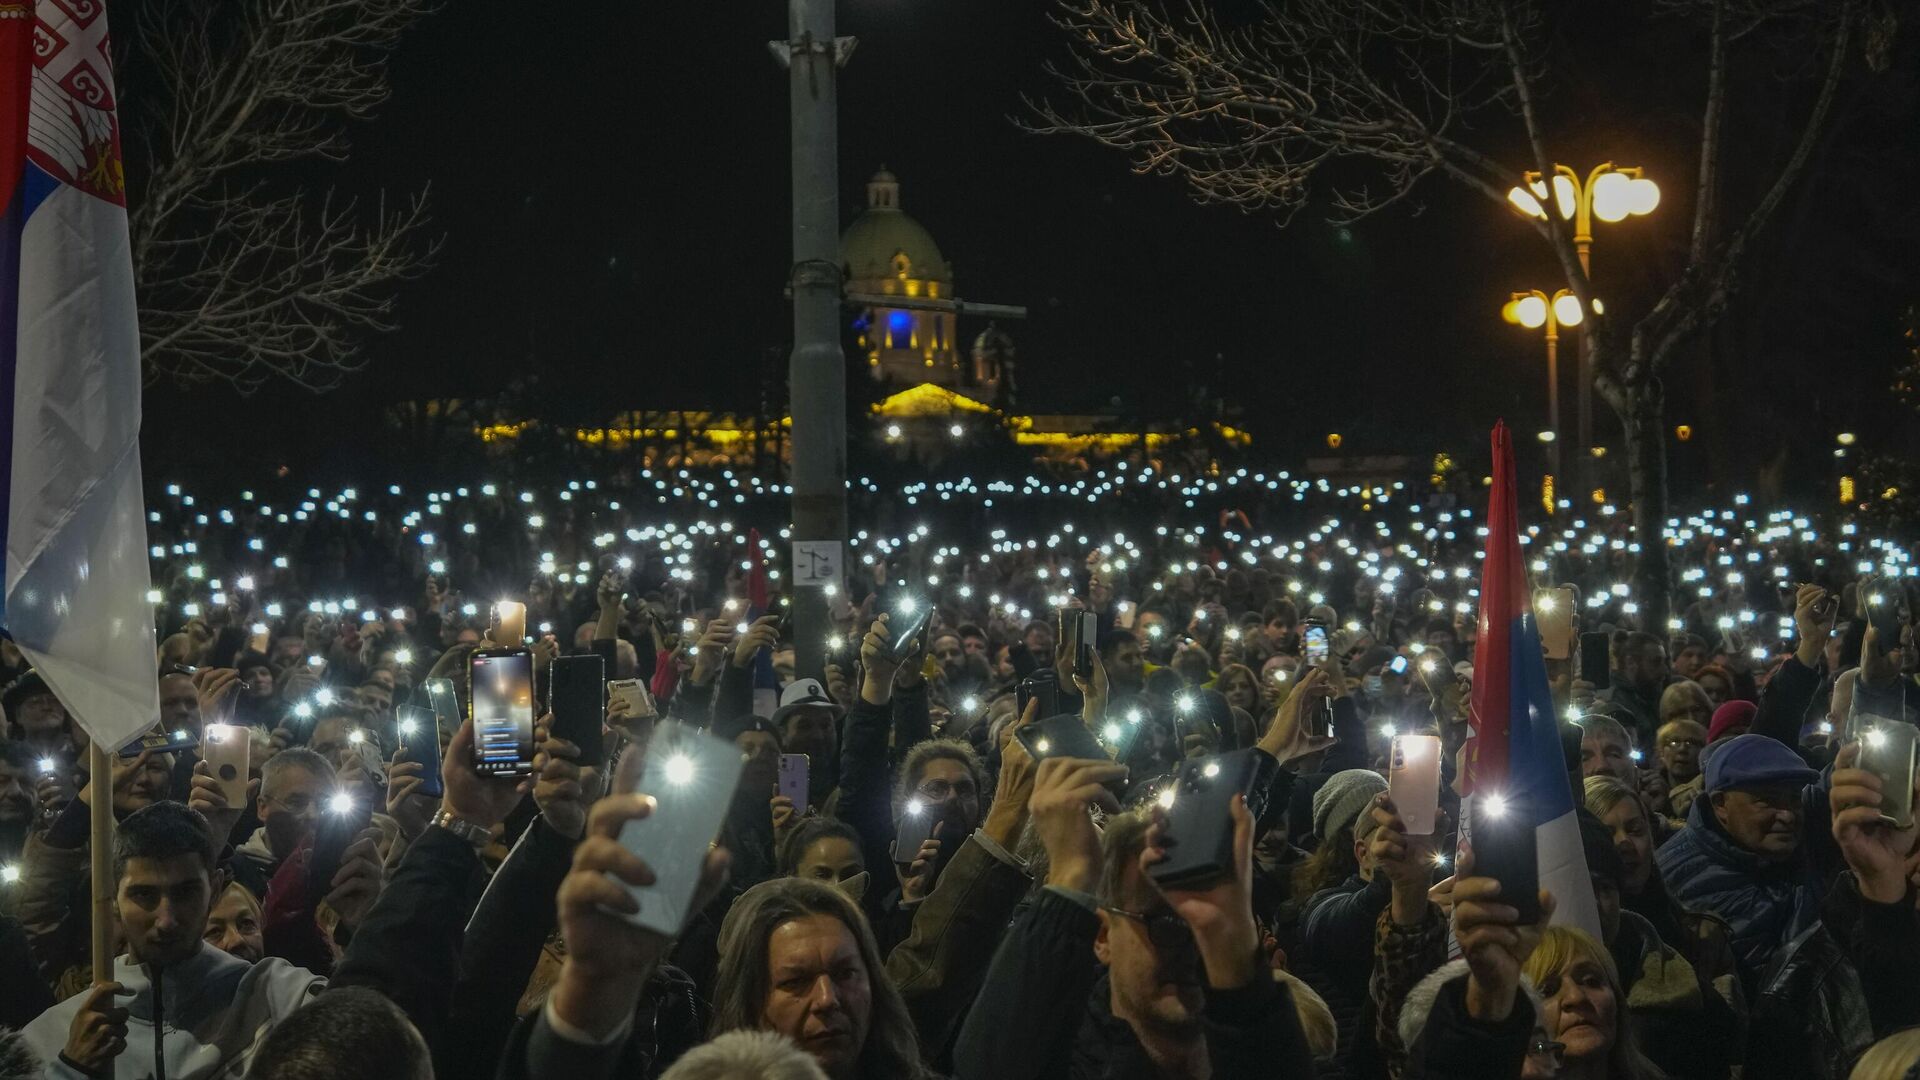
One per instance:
(1596, 659)
(1042, 686)
(1064, 735)
(500, 690)
(1885, 601)
(1086, 630)
(906, 625)
(1504, 850)
(578, 702)
(916, 828)
(1199, 825)
(420, 741)
(446, 705)
(160, 742)
(344, 818)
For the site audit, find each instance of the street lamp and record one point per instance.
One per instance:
(1610, 194)
(1534, 309)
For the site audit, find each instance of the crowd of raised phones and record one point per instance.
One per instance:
(1102, 779)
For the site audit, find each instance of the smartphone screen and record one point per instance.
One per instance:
(501, 690)
(1413, 781)
(793, 779)
(226, 750)
(578, 704)
(691, 776)
(1315, 637)
(1398, 666)
(419, 734)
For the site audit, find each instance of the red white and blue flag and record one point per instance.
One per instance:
(1515, 751)
(73, 516)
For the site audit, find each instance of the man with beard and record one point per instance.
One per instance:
(1185, 993)
(1126, 664)
(176, 1005)
(808, 723)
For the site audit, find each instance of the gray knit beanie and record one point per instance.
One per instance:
(1341, 799)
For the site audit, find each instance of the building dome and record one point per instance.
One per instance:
(883, 242)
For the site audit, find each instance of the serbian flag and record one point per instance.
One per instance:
(766, 687)
(73, 516)
(1514, 755)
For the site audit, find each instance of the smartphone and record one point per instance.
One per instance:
(1086, 632)
(1398, 666)
(1596, 659)
(446, 705)
(1315, 637)
(1413, 781)
(640, 704)
(512, 615)
(1883, 599)
(906, 628)
(419, 732)
(500, 690)
(1505, 850)
(1887, 750)
(1064, 736)
(577, 700)
(916, 828)
(260, 640)
(691, 776)
(227, 748)
(343, 819)
(1553, 611)
(160, 742)
(793, 779)
(1199, 824)
(1042, 686)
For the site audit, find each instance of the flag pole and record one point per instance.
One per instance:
(100, 774)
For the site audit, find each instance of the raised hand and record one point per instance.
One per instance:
(563, 789)
(98, 1033)
(1881, 857)
(763, 633)
(356, 885)
(1287, 738)
(1221, 915)
(1063, 791)
(1493, 940)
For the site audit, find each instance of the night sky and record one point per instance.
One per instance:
(611, 179)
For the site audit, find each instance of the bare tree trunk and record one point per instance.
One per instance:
(1644, 420)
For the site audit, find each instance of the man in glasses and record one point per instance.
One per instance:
(1183, 992)
(295, 785)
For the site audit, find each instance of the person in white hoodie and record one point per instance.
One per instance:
(181, 1008)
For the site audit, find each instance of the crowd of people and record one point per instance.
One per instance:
(1756, 887)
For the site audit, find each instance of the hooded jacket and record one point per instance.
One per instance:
(1764, 905)
(199, 1020)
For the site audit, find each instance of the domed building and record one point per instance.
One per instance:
(888, 253)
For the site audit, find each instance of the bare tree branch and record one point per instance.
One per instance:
(236, 282)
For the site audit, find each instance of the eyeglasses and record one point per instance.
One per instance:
(1680, 741)
(1166, 931)
(942, 790)
(296, 804)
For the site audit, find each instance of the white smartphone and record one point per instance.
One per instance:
(639, 703)
(691, 776)
(227, 750)
(1413, 782)
(513, 623)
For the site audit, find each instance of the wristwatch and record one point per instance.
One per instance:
(477, 835)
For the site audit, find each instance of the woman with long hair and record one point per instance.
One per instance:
(797, 957)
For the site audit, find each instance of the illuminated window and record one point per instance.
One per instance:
(899, 330)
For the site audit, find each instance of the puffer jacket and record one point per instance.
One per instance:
(1765, 906)
(1810, 1016)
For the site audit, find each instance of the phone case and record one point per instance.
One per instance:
(793, 779)
(577, 701)
(420, 741)
(1413, 782)
(1596, 659)
(1888, 750)
(513, 622)
(446, 705)
(160, 742)
(916, 828)
(1504, 849)
(1042, 685)
(1060, 736)
(1553, 617)
(500, 693)
(691, 776)
(906, 630)
(639, 702)
(227, 750)
(1200, 821)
